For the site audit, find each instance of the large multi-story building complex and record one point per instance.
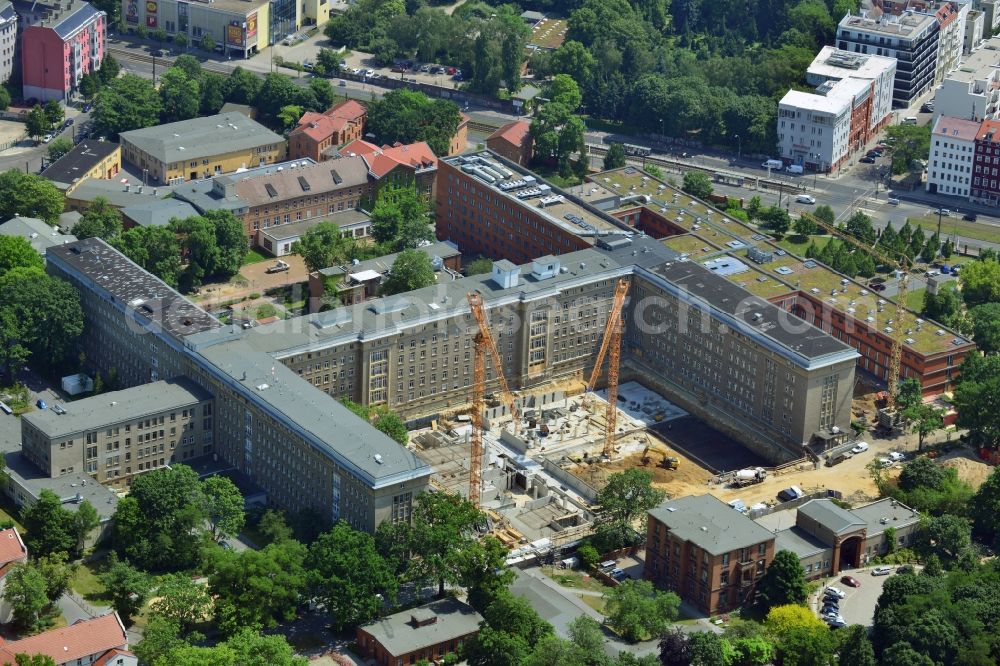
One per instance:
(8, 40)
(303, 447)
(952, 153)
(972, 91)
(513, 142)
(713, 556)
(851, 103)
(316, 132)
(912, 39)
(88, 159)
(60, 42)
(412, 163)
(847, 309)
(952, 17)
(991, 15)
(201, 148)
(503, 211)
(986, 169)
(117, 435)
(237, 27)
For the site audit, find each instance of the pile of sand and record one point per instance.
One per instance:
(971, 471)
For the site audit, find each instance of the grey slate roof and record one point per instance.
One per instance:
(799, 542)
(201, 137)
(831, 516)
(80, 160)
(68, 220)
(114, 191)
(753, 315)
(896, 514)
(158, 212)
(397, 634)
(710, 524)
(37, 232)
(81, 15)
(147, 298)
(106, 409)
(443, 249)
(202, 195)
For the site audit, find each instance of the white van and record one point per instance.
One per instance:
(794, 168)
(910, 120)
(773, 164)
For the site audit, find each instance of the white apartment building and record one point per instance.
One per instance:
(852, 101)
(953, 149)
(951, 17)
(974, 26)
(973, 90)
(8, 40)
(991, 15)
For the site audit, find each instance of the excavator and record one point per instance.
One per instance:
(667, 461)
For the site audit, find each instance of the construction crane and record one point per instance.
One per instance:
(898, 333)
(612, 340)
(484, 344)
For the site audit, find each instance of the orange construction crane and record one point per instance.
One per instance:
(903, 264)
(484, 344)
(612, 340)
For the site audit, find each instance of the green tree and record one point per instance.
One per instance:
(495, 647)
(945, 306)
(910, 143)
(392, 425)
(986, 327)
(160, 637)
(276, 92)
(109, 69)
(902, 654)
(697, 184)
(181, 600)
(776, 219)
(624, 501)
(638, 611)
(407, 116)
(411, 270)
(856, 649)
(48, 312)
(223, 507)
(4, 98)
(323, 91)
(254, 649)
(517, 617)
(274, 527)
(557, 134)
(54, 112)
(563, 90)
(190, 66)
(908, 394)
(213, 93)
(289, 116)
(985, 509)
(155, 249)
(155, 523)
(207, 43)
(322, 246)
(180, 40)
(28, 195)
(56, 572)
(48, 526)
(981, 282)
(482, 570)
(256, 588)
(33, 660)
(925, 419)
(947, 536)
(921, 472)
(805, 227)
(124, 104)
(478, 266)
(784, 582)
(825, 213)
(24, 589)
(399, 218)
(16, 252)
(442, 526)
(860, 226)
(128, 587)
(349, 576)
(707, 649)
(180, 95)
(615, 157)
(100, 220)
(84, 521)
(59, 147)
(36, 123)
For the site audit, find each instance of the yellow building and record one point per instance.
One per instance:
(201, 148)
(316, 12)
(237, 27)
(88, 159)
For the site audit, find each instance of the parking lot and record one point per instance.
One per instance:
(858, 606)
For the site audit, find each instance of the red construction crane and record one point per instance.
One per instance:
(484, 343)
(612, 340)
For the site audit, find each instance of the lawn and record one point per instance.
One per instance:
(955, 225)
(254, 257)
(797, 244)
(915, 299)
(597, 603)
(575, 579)
(85, 583)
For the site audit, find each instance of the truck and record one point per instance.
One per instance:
(794, 168)
(748, 476)
(773, 164)
(667, 461)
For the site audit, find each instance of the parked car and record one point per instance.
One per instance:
(398, 68)
(893, 201)
(805, 198)
(369, 73)
(836, 591)
(969, 217)
(881, 571)
(47, 138)
(41, 404)
(457, 77)
(356, 71)
(860, 447)
(867, 160)
(851, 581)
(896, 456)
(58, 409)
(157, 53)
(878, 287)
(342, 83)
(425, 69)
(451, 70)
(944, 212)
(87, 107)
(790, 493)
(885, 462)
(836, 622)
(830, 611)
(279, 267)
(906, 568)
(927, 107)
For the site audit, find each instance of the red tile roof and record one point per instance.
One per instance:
(513, 133)
(383, 160)
(106, 658)
(317, 126)
(77, 641)
(11, 547)
(989, 131)
(349, 110)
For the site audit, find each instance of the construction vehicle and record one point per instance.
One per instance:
(484, 344)
(748, 477)
(612, 340)
(667, 461)
(887, 415)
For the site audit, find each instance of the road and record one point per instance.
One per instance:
(31, 159)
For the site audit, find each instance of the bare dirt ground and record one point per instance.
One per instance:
(252, 278)
(970, 470)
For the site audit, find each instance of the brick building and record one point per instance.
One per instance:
(316, 132)
(986, 165)
(428, 632)
(460, 139)
(512, 142)
(60, 42)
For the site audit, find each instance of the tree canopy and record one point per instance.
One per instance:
(29, 195)
(124, 104)
(407, 116)
(412, 269)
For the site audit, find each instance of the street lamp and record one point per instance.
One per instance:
(739, 147)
